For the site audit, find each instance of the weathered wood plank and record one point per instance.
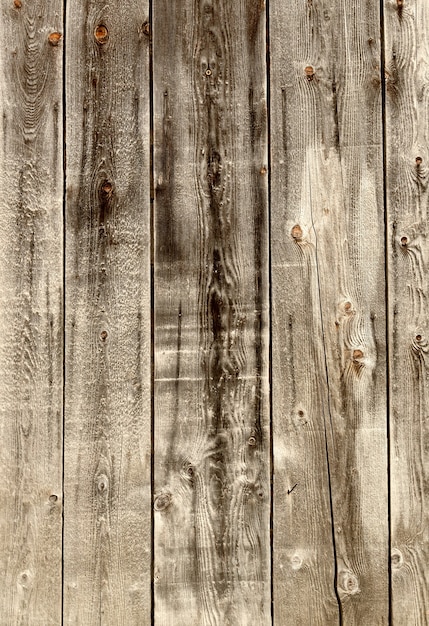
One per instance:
(107, 429)
(329, 378)
(31, 262)
(212, 489)
(407, 126)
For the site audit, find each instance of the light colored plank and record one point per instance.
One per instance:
(212, 450)
(107, 430)
(329, 378)
(407, 125)
(31, 261)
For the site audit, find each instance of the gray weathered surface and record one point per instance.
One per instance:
(30, 313)
(107, 421)
(183, 386)
(407, 125)
(329, 382)
(212, 450)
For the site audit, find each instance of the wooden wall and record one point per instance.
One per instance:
(214, 315)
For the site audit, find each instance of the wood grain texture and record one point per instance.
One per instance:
(107, 559)
(407, 129)
(31, 261)
(212, 449)
(329, 376)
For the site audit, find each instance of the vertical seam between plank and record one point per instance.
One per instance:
(270, 302)
(328, 392)
(64, 215)
(152, 314)
(387, 306)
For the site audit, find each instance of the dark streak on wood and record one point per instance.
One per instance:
(218, 477)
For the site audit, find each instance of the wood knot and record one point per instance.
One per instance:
(263, 170)
(188, 470)
(103, 335)
(296, 562)
(102, 483)
(419, 161)
(208, 72)
(251, 441)
(54, 39)
(162, 501)
(397, 558)
(357, 354)
(101, 34)
(348, 582)
(107, 187)
(296, 232)
(146, 28)
(418, 338)
(53, 498)
(404, 241)
(17, 4)
(309, 72)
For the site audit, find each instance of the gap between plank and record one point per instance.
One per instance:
(270, 300)
(152, 317)
(64, 242)
(386, 282)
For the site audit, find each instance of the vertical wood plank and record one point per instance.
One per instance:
(31, 262)
(329, 376)
(107, 541)
(407, 126)
(212, 450)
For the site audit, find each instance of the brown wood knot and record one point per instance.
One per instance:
(263, 170)
(103, 335)
(251, 441)
(107, 188)
(419, 338)
(404, 241)
(419, 161)
(309, 72)
(17, 4)
(54, 39)
(296, 232)
(397, 558)
(146, 28)
(162, 501)
(53, 498)
(208, 72)
(101, 34)
(357, 354)
(348, 582)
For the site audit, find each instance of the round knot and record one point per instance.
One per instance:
(162, 501)
(348, 582)
(54, 39)
(309, 72)
(101, 34)
(296, 232)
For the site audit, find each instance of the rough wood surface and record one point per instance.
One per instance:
(30, 313)
(212, 449)
(407, 136)
(329, 375)
(107, 559)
